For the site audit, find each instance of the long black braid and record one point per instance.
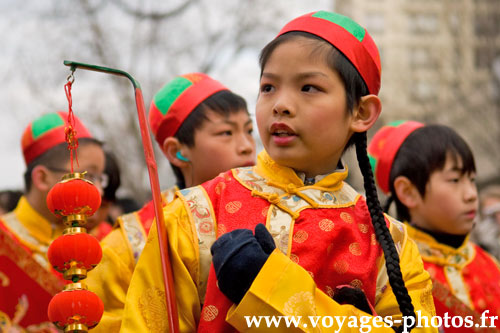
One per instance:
(382, 232)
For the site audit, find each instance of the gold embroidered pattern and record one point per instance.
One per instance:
(16, 227)
(135, 233)
(346, 217)
(363, 227)
(4, 279)
(220, 187)
(398, 234)
(134, 230)
(300, 303)
(288, 201)
(264, 211)
(210, 312)
(199, 206)
(300, 236)
(452, 260)
(341, 266)
(329, 291)
(326, 225)
(279, 226)
(233, 206)
(221, 230)
(357, 283)
(355, 249)
(153, 308)
(294, 258)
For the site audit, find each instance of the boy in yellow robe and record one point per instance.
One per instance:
(203, 129)
(429, 172)
(31, 227)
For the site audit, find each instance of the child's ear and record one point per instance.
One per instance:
(170, 147)
(406, 192)
(42, 178)
(366, 113)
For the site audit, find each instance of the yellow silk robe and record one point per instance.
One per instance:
(279, 283)
(35, 233)
(120, 251)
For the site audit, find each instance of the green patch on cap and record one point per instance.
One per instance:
(373, 162)
(170, 92)
(45, 123)
(396, 123)
(355, 29)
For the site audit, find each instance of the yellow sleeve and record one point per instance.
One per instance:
(145, 307)
(283, 288)
(110, 279)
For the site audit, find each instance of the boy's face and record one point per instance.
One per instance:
(220, 144)
(91, 159)
(450, 203)
(301, 109)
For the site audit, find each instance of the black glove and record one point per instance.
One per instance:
(353, 296)
(238, 257)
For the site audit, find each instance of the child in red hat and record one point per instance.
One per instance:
(429, 172)
(27, 231)
(318, 95)
(203, 129)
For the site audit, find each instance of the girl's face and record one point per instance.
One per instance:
(301, 109)
(450, 203)
(220, 144)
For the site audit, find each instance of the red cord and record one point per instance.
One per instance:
(70, 131)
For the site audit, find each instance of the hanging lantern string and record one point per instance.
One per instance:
(70, 131)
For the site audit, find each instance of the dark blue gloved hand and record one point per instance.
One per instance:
(238, 257)
(353, 296)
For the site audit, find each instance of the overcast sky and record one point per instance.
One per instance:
(28, 57)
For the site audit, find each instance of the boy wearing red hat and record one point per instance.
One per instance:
(429, 173)
(203, 129)
(28, 230)
(314, 234)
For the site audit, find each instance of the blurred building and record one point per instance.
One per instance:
(440, 63)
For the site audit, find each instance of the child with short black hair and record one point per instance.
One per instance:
(29, 281)
(429, 172)
(203, 129)
(318, 95)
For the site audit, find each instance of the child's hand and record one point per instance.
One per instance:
(346, 294)
(238, 257)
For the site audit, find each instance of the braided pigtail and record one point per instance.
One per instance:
(382, 232)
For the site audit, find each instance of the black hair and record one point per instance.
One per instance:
(223, 103)
(423, 152)
(356, 88)
(112, 171)
(9, 199)
(54, 157)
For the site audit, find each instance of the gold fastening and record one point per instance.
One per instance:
(75, 175)
(75, 286)
(80, 218)
(76, 328)
(81, 273)
(74, 230)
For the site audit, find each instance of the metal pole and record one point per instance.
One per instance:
(168, 280)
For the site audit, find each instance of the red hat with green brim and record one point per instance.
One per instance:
(47, 132)
(385, 145)
(176, 100)
(348, 37)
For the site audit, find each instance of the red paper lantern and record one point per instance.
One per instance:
(79, 250)
(74, 196)
(75, 307)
